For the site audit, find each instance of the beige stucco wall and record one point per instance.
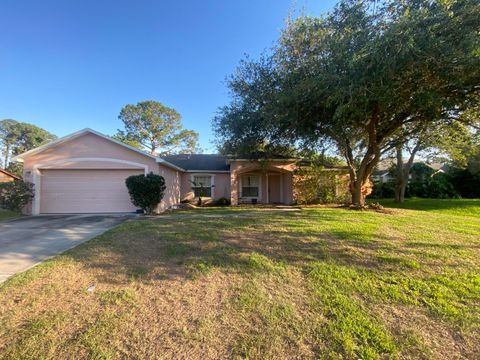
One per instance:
(90, 151)
(284, 169)
(88, 146)
(172, 191)
(220, 180)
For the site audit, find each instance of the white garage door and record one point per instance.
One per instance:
(85, 191)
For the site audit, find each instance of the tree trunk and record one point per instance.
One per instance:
(7, 153)
(399, 184)
(403, 172)
(402, 191)
(358, 197)
(360, 184)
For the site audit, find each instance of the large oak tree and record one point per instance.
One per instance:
(357, 76)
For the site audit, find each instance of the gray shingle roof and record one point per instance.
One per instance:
(210, 162)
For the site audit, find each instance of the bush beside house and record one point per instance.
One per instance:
(320, 185)
(146, 191)
(15, 195)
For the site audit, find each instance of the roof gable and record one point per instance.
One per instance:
(80, 133)
(74, 136)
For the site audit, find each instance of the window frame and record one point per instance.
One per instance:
(259, 186)
(212, 184)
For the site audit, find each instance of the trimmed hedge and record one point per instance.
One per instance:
(16, 194)
(146, 191)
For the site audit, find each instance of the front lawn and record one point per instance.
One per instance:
(312, 283)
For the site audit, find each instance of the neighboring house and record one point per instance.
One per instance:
(85, 172)
(6, 176)
(385, 170)
(382, 176)
(438, 167)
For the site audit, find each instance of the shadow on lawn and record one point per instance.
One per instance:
(153, 249)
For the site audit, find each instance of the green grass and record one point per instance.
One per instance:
(463, 207)
(8, 215)
(326, 283)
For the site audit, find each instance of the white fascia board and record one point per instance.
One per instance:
(73, 136)
(209, 171)
(46, 146)
(85, 131)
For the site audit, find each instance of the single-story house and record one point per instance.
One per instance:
(85, 172)
(7, 176)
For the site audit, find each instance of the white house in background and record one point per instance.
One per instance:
(385, 170)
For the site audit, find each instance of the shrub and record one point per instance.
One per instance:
(466, 183)
(417, 189)
(222, 202)
(440, 187)
(146, 191)
(383, 190)
(437, 186)
(15, 195)
(316, 185)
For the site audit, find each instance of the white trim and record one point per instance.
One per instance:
(82, 159)
(76, 134)
(36, 186)
(259, 197)
(212, 182)
(37, 176)
(208, 171)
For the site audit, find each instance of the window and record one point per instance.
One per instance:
(202, 185)
(250, 186)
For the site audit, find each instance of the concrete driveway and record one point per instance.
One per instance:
(28, 241)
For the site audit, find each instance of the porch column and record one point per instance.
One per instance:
(268, 189)
(288, 183)
(233, 188)
(282, 189)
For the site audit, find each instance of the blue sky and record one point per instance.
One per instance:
(66, 65)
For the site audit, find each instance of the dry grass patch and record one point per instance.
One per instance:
(314, 283)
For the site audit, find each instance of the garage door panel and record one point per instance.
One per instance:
(85, 191)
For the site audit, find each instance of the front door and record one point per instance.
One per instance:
(274, 189)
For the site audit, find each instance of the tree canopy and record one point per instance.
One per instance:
(156, 128)
(18, 137)
(357, 76)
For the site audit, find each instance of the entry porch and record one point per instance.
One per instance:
(253, 182)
